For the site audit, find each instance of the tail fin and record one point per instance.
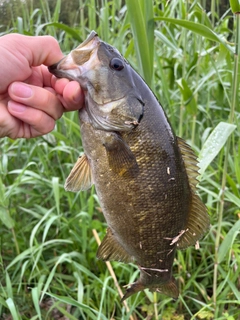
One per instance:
(169, 288)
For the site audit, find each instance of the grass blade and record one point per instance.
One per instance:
(74, 34)
(198, 28)
(12, 309)
(142, 25)
(35, 298)
(228, 241)
(214, 144)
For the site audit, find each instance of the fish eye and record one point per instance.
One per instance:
(116, 64)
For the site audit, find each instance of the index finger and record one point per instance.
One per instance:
(70, 94)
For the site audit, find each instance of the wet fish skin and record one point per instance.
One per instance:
(145, 177)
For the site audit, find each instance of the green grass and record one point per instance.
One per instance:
(47, 260)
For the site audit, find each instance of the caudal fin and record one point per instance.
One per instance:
(169, 288)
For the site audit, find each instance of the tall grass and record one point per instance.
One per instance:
(47, 262)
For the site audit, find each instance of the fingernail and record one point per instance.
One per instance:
(21, 90)
(16, 107)
(77, 96)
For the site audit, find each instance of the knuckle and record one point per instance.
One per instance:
(47, 125)
(53, 106)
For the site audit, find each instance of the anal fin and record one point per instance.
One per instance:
(80, 177)
(110, 249)
(198, 220)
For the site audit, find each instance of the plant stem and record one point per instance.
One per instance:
(155, 302)
(234, 104)
(213, 12)
(15, 241)
(182, 107)
(132, 316)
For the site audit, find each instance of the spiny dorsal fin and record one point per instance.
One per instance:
(80, 177)
(110, 249)
(198, 219)
(120, 157)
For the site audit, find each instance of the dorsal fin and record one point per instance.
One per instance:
(198, 219)
(80, 177)
(110, 249)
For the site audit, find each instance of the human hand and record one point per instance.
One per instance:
(31, 98)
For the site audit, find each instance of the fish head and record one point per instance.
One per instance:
(113, 99)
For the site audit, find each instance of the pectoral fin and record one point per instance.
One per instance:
(80, 178)
(198, 219)
(120, 157)
(110, 249)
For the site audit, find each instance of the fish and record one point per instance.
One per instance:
(144, 175)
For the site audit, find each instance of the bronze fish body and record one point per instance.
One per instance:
(145, 176)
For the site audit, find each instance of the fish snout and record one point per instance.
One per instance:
(79, 60)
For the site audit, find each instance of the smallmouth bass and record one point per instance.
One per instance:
(145, 176)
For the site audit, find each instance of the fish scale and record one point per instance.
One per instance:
(145, 176)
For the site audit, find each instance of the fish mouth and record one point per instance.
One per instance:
(79, 60)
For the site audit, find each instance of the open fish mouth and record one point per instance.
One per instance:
(79, 60)
(107, 105)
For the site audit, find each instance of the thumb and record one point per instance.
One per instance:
(20, 53)
(40, 49)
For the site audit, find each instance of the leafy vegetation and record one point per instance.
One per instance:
(187, 53)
